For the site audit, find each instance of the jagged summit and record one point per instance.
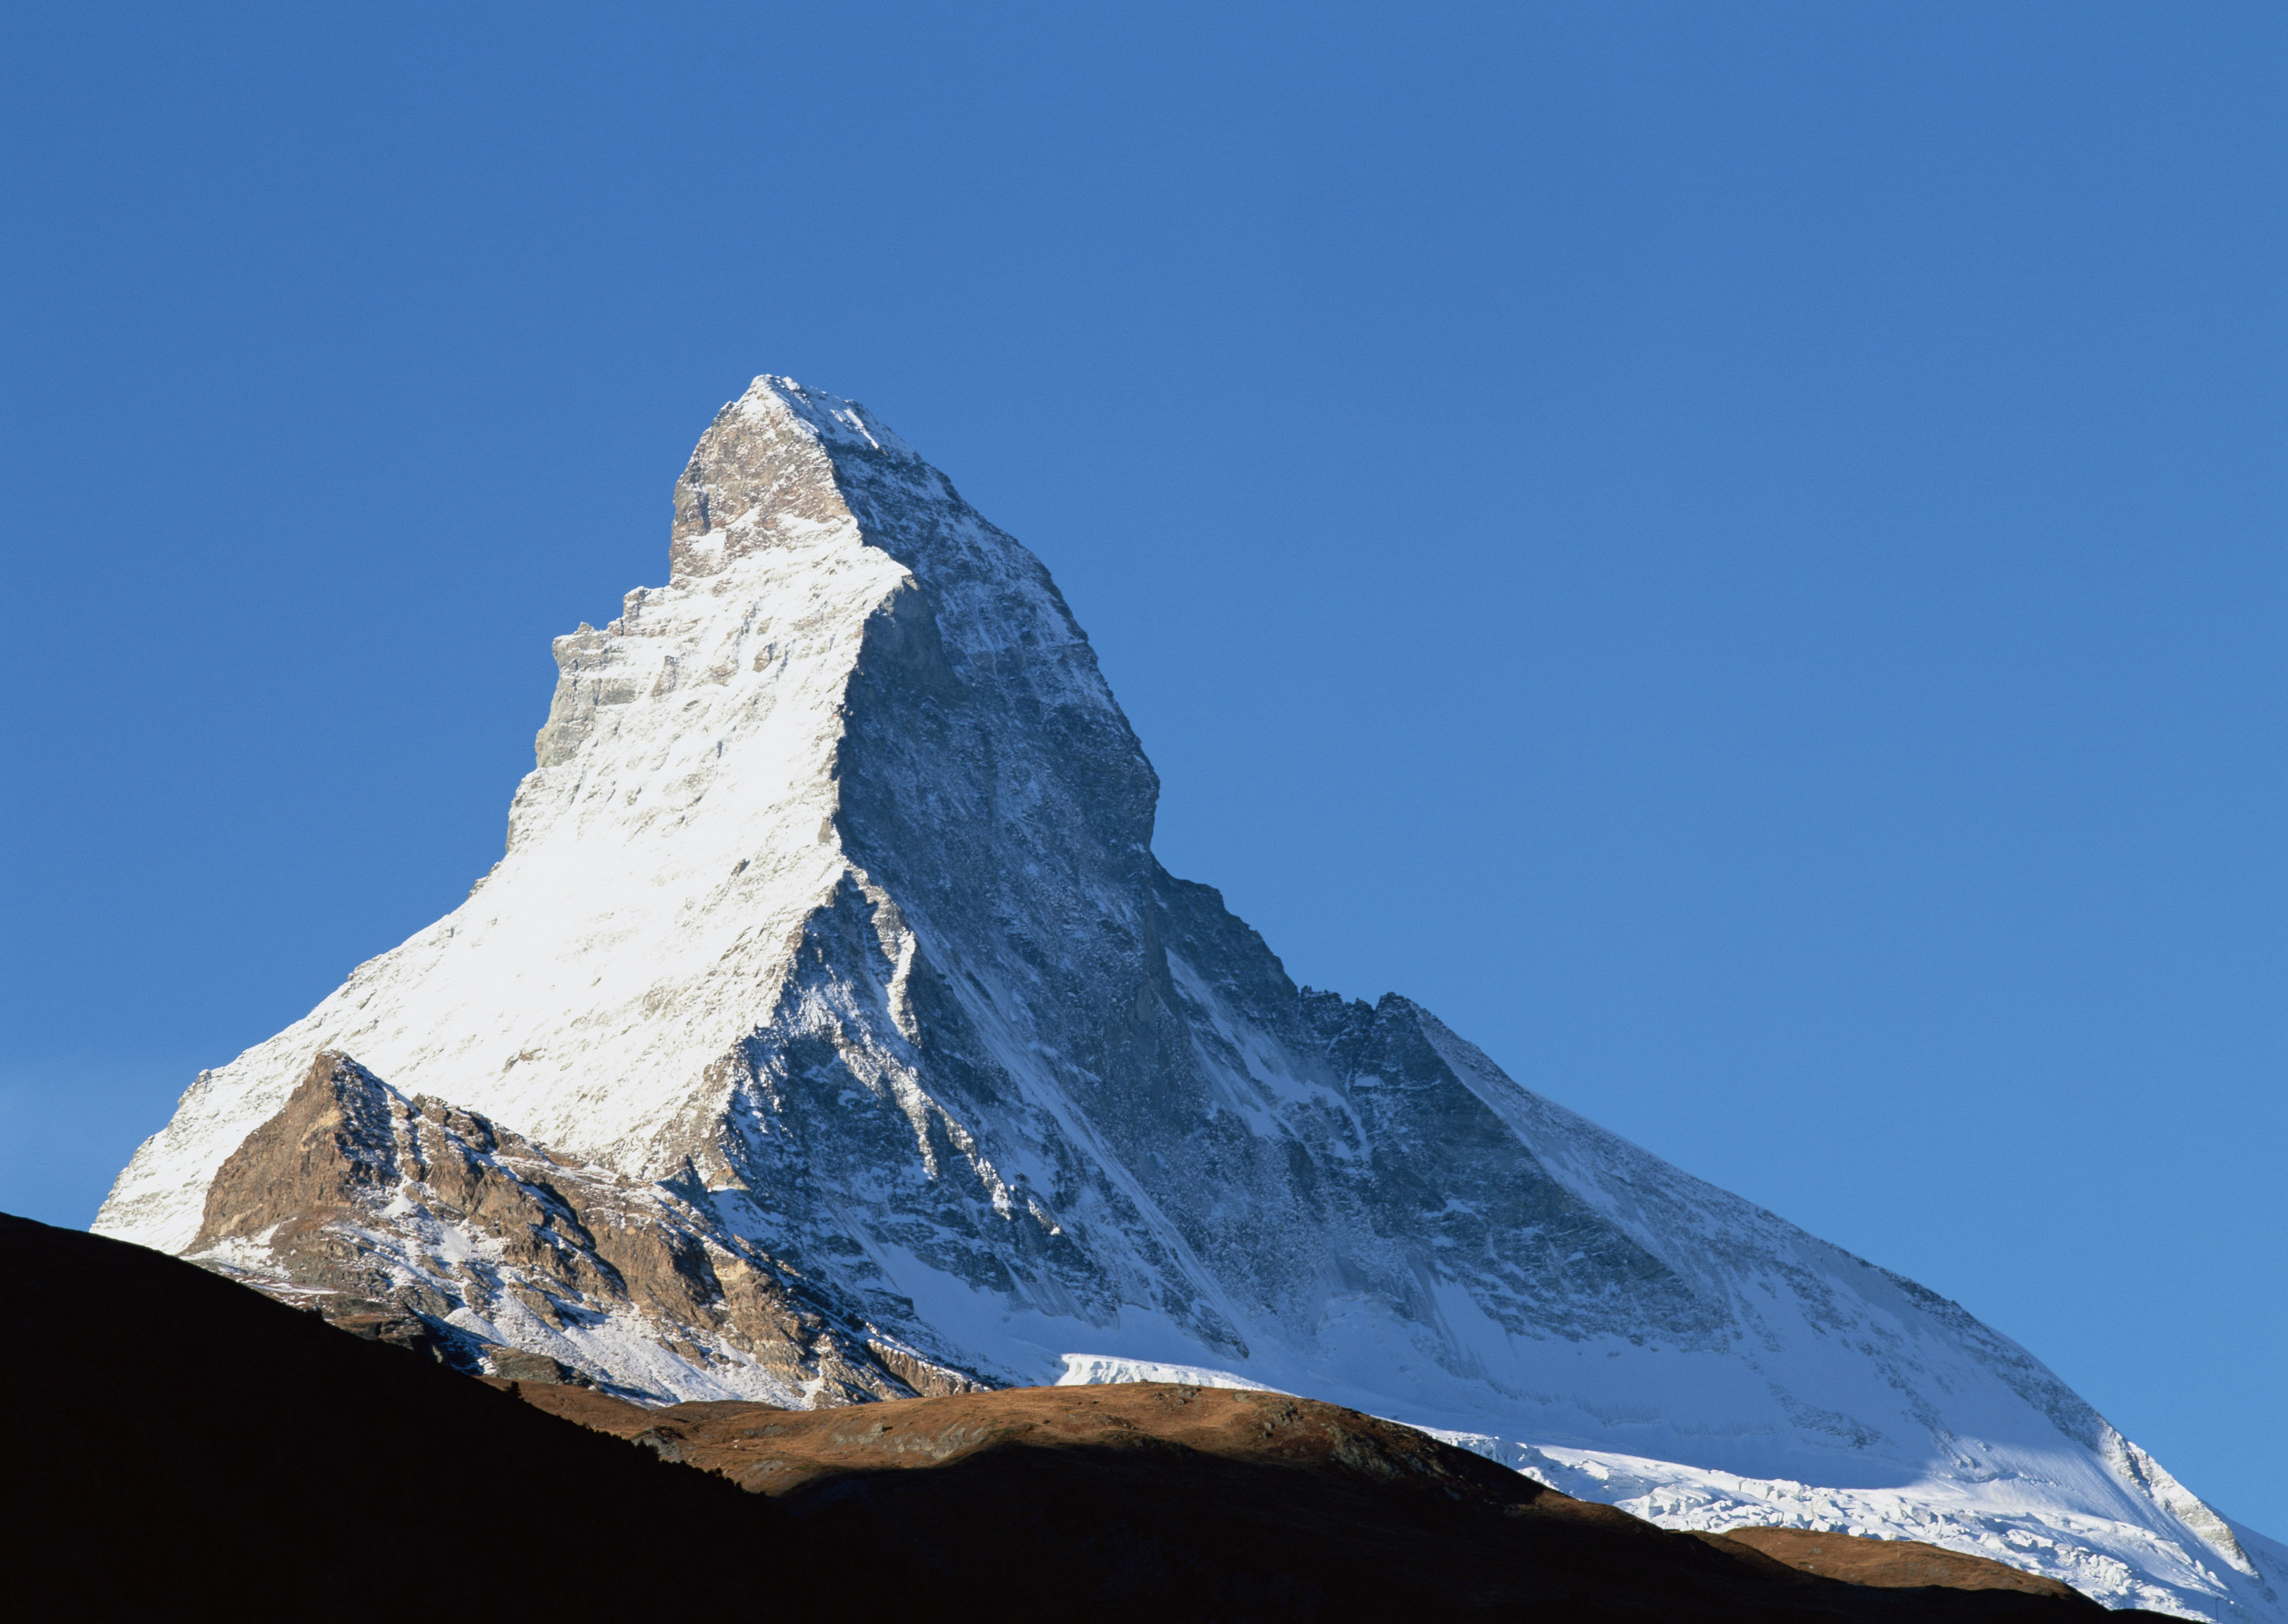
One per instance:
(769, 460)
(685, 821)
(829, 917)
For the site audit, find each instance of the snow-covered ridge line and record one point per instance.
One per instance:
(829, 911)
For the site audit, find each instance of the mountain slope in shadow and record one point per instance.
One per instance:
(1151, 1499)
(176, 1441)
(181, 1445)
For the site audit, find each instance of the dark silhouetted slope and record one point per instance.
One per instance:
(178, 1442)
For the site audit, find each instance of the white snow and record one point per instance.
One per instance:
(1096, 1369)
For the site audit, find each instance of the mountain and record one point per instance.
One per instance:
(830, 1032)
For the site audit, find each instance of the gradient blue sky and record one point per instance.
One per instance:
(1734, 551)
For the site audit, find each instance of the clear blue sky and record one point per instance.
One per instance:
(1733, 551)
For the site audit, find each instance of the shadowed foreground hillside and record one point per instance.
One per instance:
(178, 1442)
(1216, 1503)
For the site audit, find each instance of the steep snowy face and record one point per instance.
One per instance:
(829, 912)
(663, 858)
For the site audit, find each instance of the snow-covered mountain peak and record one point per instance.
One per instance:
(829, 917)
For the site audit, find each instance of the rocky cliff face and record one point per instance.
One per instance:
(411, 1220)
(829, 1027)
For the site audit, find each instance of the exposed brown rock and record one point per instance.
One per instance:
(484, 1220)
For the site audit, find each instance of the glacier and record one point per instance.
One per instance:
(829, 1031)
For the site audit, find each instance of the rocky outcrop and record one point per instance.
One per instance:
(410, 1221)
